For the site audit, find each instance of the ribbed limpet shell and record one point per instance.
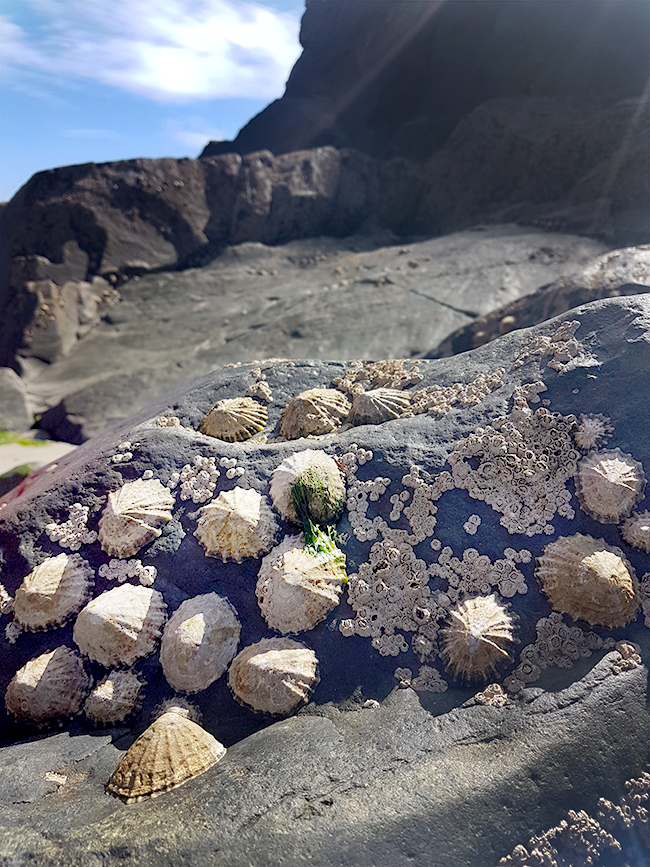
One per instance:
(199, 641)
(121, 625)
(475, 640)
(297, 588)
(237, 524)
(114, 698)
(274, 675)
(50, 686)
(379, 405)
(609, 484)
(167, 754)
(53, 591)
(234, 419)
(636, 531)
(589, 580)
(321, 483)
(314, 412)
(133, 516)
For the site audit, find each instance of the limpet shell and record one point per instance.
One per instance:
(236, 524)
(114, 698)
(50, 686)
(589, 580)
(121, 625)
(314, 412)
(234, 419)
(199, 641)
(636, 531)
(321, 484)
(379, 405)
(474, 642)
(53, 591)
(609, 484)
(274, 675)
(167, 754)
(296, 588)
(133, 516)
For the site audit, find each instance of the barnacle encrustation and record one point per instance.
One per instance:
(49, 687)
(234, 419)
(314, 412)
(53, 591)
(236, 524)
(133, 516)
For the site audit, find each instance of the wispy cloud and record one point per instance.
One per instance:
(168, 50)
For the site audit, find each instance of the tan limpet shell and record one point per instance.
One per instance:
(589, 580)
(636, 531)
(296, 589)
(50, 686)
(379, 405)
(114, 698)
(235, 419)
(474, 642)
(274, 675)
(609, 484)
(53, 591)
(327, 498)
(167, 754)
(133, 516)
(199, 641)
(121, 625)
(314, 412)
(237, 524)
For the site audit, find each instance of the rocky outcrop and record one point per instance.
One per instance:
(14, 411)
(394, 79)
(396, 755)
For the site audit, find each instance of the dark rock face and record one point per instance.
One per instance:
(367, 773)
(393, 78)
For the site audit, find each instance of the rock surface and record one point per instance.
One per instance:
(363, 297)
(366, 773)
(14, 410)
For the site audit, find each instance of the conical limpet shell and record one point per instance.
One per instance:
(636, 531)
(167, 754)
(474, 642)
(274, 675)
(120, 625)
(379, 405)
(609, 484)
(199, 641)
(236, 524)
(589, 580)
(53, 591)
(133, 516)
(50, 686)
(314, 412)
(114, 698)
(296, 588)
(313, 478)
(234, 419)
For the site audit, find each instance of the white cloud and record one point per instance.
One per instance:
(168, 50)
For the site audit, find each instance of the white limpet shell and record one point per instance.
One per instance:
(199, 641)
(121, 625)
(114, 698)
(274, 675)
(237, 524)
(314, 412)
(589, 580)
(234, 419)
(296, 588)
(609, 484)
(133, 516)
(475, 640)
(53, 591)
(322, 483)
(379, 405)
(49, 687)
(636, 531)
(167, 754)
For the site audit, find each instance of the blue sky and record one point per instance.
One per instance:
(99, 80)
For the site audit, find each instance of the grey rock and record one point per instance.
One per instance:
(14, 409)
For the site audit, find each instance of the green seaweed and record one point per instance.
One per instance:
(310, 497)
(9, 438)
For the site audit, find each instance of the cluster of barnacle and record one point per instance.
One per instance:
(122, 570)
(124, 452)
(580, 840)
(562, 346)
(260, 389)
(74, 532)
(438, 400)
(476, 575)
(428, 679)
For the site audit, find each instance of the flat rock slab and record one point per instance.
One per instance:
(367, 773)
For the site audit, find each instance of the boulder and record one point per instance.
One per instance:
(14, 409)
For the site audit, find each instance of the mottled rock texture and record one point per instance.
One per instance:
(366, 773)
